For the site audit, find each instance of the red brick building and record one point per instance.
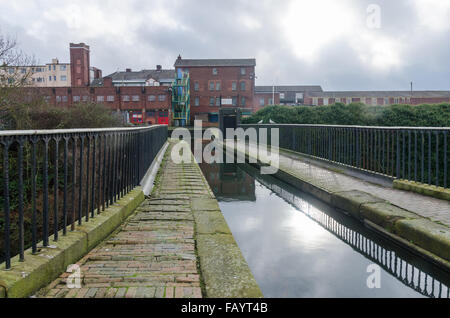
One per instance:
(79, 64)
(216, 83)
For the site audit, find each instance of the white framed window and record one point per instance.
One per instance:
(214, 71)
(110, 98)
(151, 98)
(100, 98)
(325, 101)
(76, 98)
(162, 98)
(135, 98)
(261, 101)
(63, 78)
(243, 71)
(125, 98)
(197, 101)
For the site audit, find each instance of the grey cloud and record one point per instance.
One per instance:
(211, 29)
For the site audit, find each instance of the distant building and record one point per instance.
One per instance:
(77, 73)
(219, 83)
(156, 77)
(377, 97)
(45, 75)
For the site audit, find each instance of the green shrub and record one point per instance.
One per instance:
(426, 115)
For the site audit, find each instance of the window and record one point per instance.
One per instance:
(85, 98)
(23, 70)
(197, 101)
(211, 86)
(211, 101)
(242, 86)
(62, 67)
(217, 86)
(386, 101)
(63, 78)
(337, 100)
(11, 71)
(58, 99)
(50, 78)
(214, 71)
(234, 101)
(54, 77)
(125, 98)
(54, 67)
(49, 67)
(135, 98)
(325, 101)
(151, 98)
(281, 95)
(64, 99)
(270, 101)
(110, 98)
(196, 86)
(76, 98)
(374, 101)
(243, 71)
(162, 98)
(242, 101)
(261, 102)
(233, 86)
(100, 98)
(217, 101)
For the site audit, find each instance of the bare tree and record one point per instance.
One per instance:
(15, 74)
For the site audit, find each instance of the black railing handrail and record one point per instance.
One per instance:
(352, 126)
(63, 177)
(418, 154)
(72, 131)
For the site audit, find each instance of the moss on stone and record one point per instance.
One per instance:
(426, 234)
(224, 269)
(385, 214)
(351, 201)
(424, 189)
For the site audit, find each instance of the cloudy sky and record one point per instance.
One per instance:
(341, 45)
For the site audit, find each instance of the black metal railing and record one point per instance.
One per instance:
(412, 153)
(54, 179)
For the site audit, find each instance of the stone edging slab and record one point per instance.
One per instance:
(40, 269)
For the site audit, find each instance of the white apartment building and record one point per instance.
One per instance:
(52, 74)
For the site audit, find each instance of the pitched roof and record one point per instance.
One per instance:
(143, 75)
(214, 62)
(380, 94)
(288, 88)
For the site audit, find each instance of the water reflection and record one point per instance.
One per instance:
(318, 252)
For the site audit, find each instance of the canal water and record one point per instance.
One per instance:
(297, 246)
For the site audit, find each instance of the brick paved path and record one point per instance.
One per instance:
(429, 207)
(153, 253)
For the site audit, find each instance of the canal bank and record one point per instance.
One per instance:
(411, 220)
(298, 246)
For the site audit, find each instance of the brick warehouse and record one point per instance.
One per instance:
(145, 97)
(219, 83)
